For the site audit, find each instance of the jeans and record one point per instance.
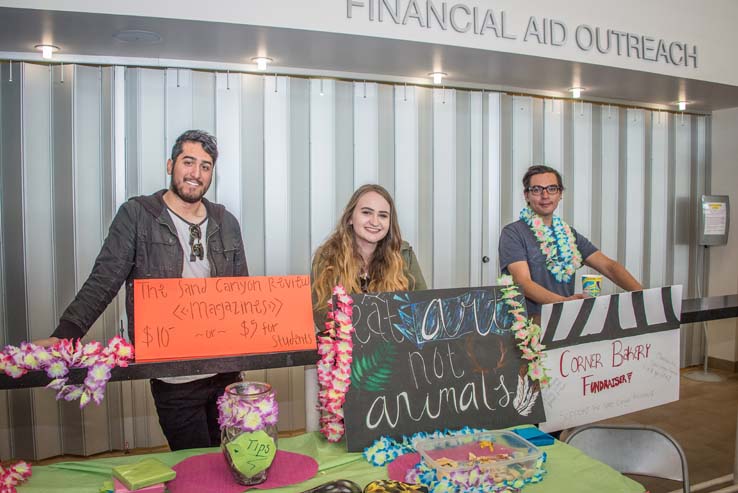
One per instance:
(188, 412)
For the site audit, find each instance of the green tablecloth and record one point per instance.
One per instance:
(569, 470)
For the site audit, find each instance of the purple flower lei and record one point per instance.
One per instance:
(251, 407)
(58, 359)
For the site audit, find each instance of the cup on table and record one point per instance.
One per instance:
(591, 284)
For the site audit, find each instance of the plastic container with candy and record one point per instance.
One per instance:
(501, 455)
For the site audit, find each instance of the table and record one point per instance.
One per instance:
(569, 470)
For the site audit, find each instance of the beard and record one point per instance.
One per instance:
(181, 191)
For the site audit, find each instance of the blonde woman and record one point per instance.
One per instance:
(365, 253)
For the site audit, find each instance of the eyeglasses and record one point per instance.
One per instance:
(551, 189)
(197, 252)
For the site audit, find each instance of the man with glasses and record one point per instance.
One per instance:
(542, 252)
(172, 233)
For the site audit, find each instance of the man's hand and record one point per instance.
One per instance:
(577, 296)
(48, 342)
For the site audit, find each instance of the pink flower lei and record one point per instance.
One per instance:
(334, 368)
(58, 359)
(527, 333)
(12, 476)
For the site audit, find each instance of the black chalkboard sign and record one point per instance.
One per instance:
(430, 360)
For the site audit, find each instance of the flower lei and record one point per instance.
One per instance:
(560, 248)
(334, 368)
(57, 360)
(12, 476)
(527, 333)
(248, 414)
(476, 480)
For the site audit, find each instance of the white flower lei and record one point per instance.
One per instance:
(560, 248)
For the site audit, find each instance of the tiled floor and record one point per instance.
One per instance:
(703, 421)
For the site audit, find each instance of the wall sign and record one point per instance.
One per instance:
(468, 18)
(220, 316)
(429, 360)
(610, 355)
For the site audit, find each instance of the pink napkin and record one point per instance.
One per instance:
(210, 473)
(397, 469)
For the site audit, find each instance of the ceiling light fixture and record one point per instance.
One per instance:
(437, 77)
(576, 92)
(47, 51)
(682, 105)
(261, 62)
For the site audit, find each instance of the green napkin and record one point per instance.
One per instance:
(142, 474)
(252, 452)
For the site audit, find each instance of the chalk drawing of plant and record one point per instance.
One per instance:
(373, 371)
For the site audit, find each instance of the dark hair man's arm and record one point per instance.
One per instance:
(111, 269)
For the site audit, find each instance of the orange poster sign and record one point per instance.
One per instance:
(221, 316)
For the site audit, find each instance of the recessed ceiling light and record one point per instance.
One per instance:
(576, 92)
(137, 36)
(47, 50)
(682, 105)
(261, 62)
(437, 76)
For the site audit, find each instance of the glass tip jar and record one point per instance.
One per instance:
(248, 415)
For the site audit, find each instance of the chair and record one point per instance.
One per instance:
(633, 449)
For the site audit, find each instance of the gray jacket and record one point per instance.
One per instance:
(142, 243)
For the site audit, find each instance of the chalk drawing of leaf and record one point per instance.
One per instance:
(373, 371)
(525, 396)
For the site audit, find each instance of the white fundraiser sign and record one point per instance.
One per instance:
(610, 356)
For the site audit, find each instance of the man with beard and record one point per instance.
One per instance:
(172, 233)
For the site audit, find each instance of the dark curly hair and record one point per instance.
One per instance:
(208, 142)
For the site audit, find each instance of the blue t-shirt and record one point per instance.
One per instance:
(517, 243)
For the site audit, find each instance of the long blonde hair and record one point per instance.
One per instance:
(337, 261)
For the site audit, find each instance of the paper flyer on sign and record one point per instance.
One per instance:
(610, 355)
(716, 216)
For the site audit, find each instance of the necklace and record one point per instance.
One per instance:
(557, 243)
(334, 368)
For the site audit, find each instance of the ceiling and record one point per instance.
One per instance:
(311, 52)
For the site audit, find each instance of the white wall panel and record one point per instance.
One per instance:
(39, 270)
(610, 185)
(658, 209)
(406, 162)
(492, 189)
(553, 134)
(203, 100)
(477, 188)
(178, 103)
(444, 187)
(276, 174)
(322, 160)
(682, 204)
(634, 184)
(522, 144)
(581, 180)
(366, 134)
(228, 130)
(151, 151)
